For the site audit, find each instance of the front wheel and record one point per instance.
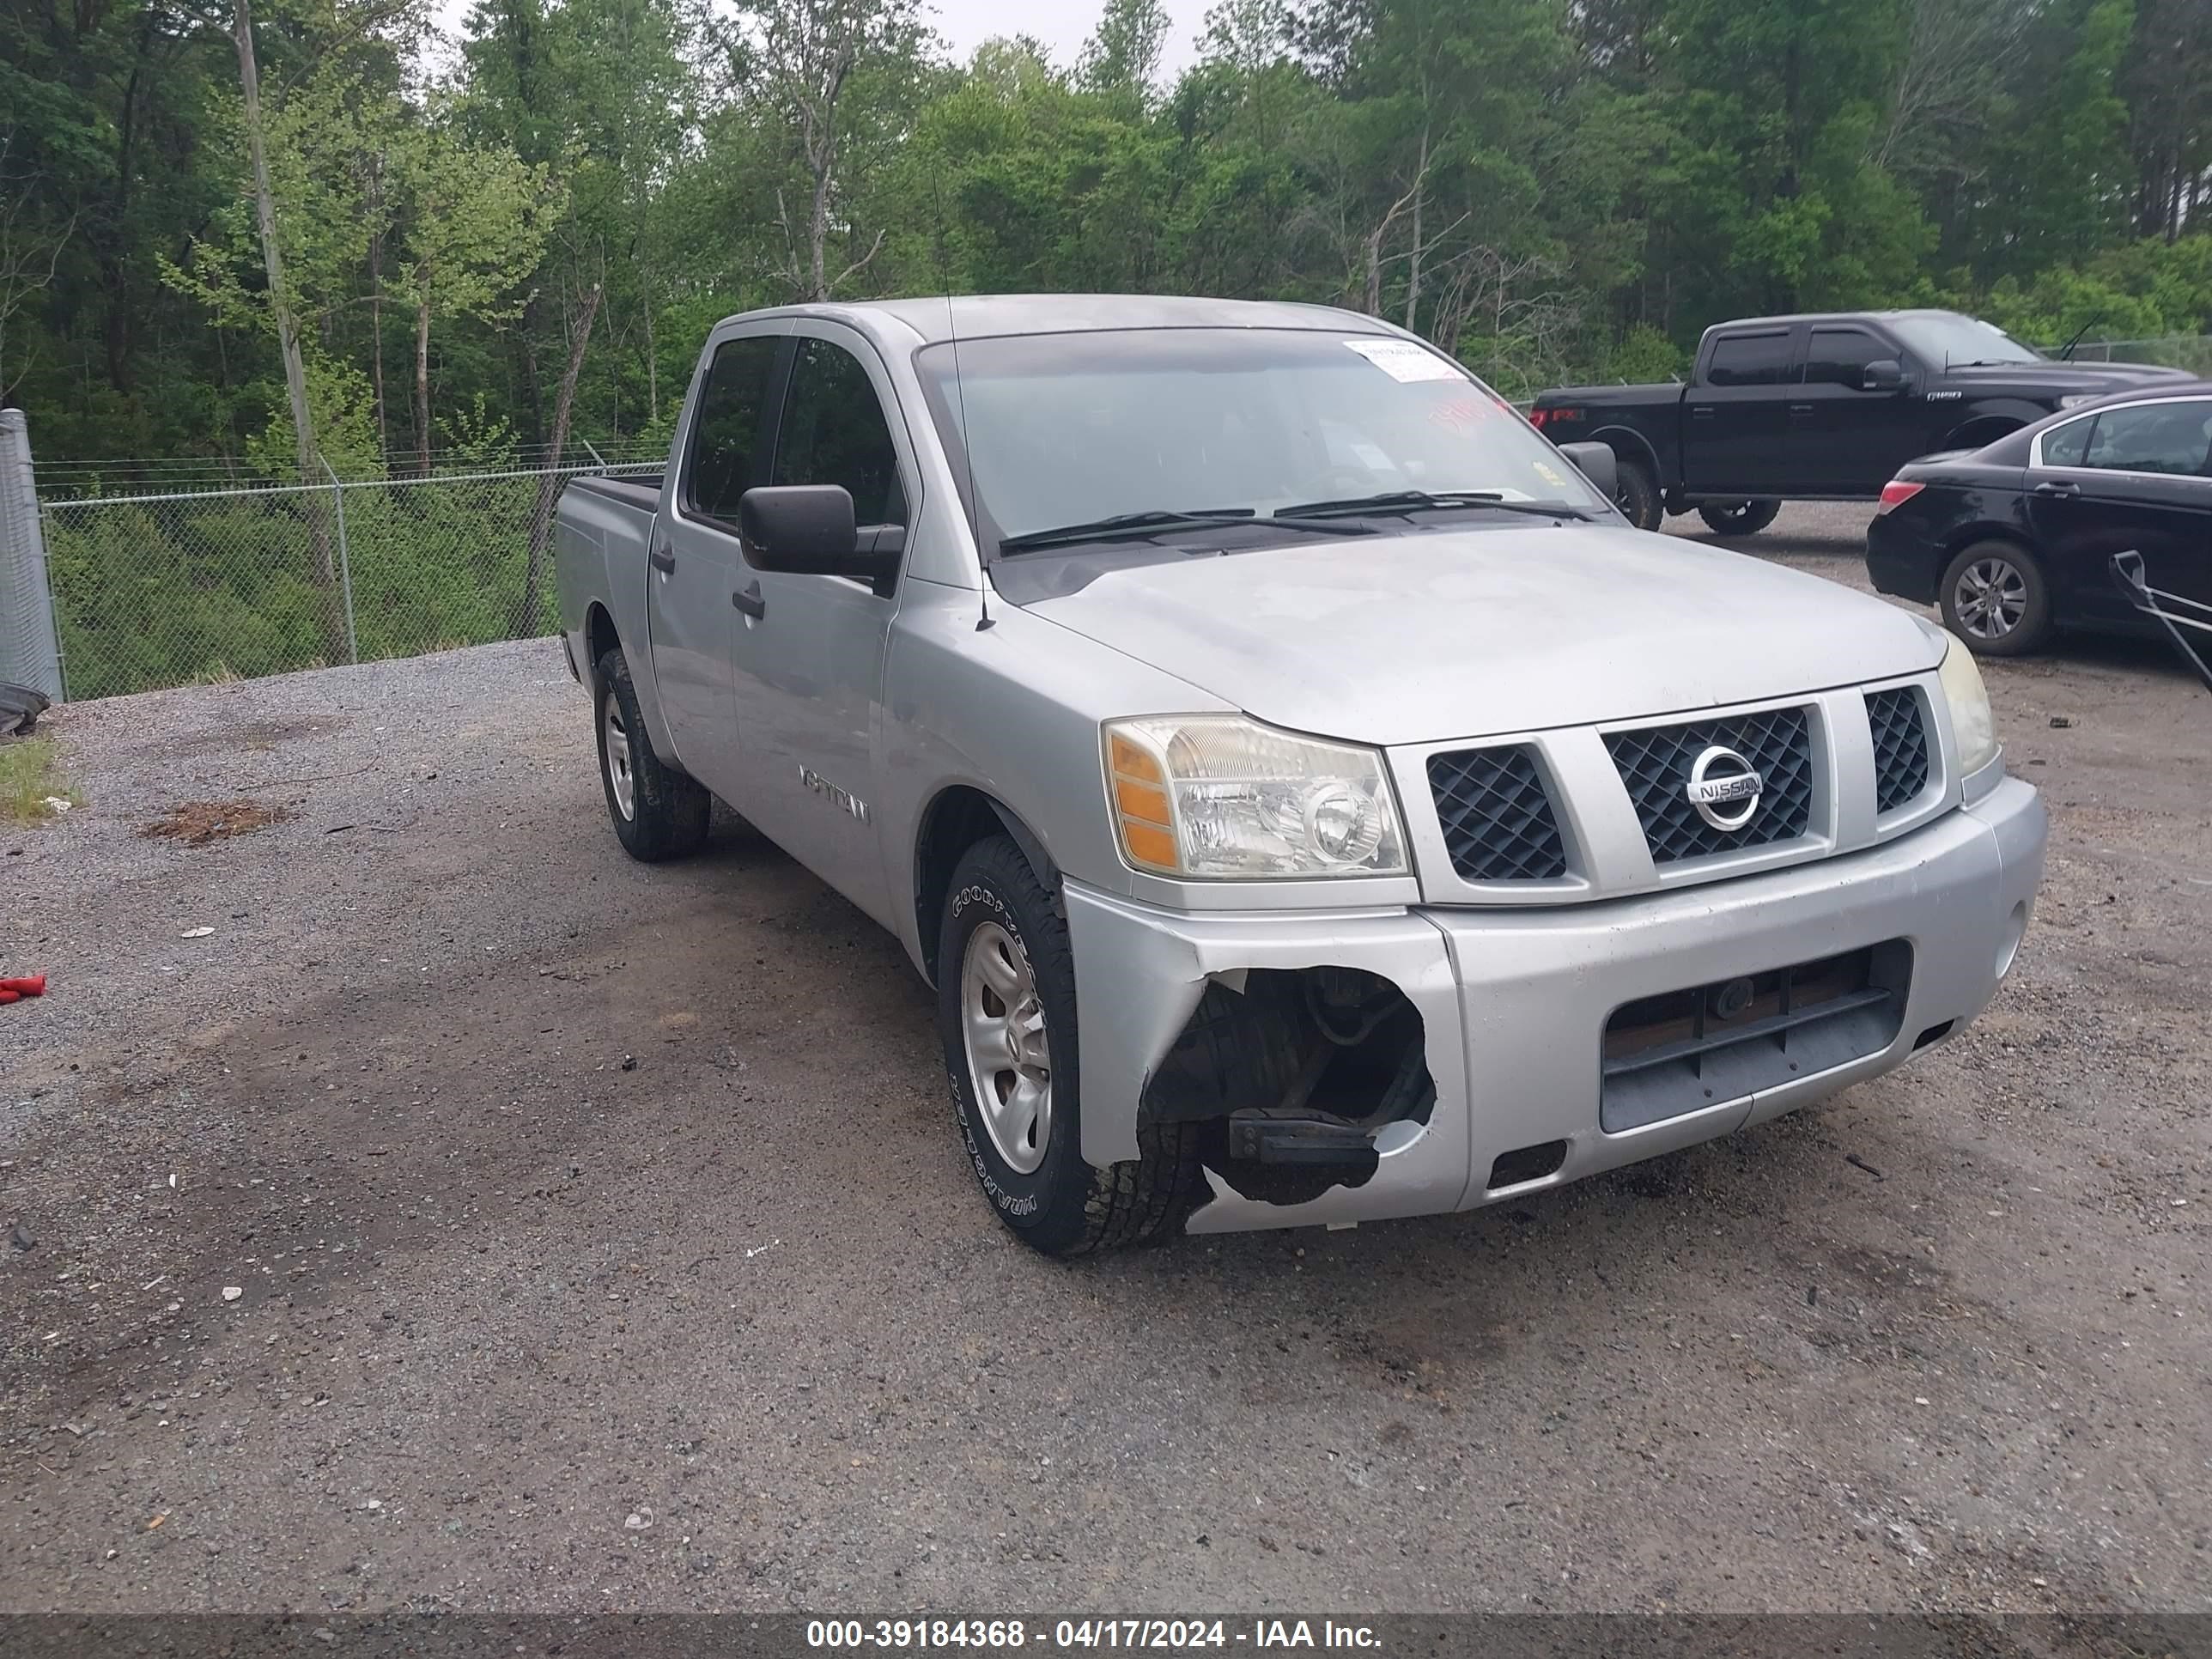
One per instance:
(1636, 492)
(1006, 1016)
(659, 811)
(1994, 597)
(1733, 519)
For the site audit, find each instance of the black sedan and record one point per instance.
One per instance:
(2015, 540)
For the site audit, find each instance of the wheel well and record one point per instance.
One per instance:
(1986, 430)
(958, 819)
(599, 638)
(1630, 446)
(1960, 541)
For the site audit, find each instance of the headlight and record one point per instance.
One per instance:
(1970, 723)
(2073, 398)
(1219, 795)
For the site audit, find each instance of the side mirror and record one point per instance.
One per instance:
(1883, 375)
(1597, 463)
(807, 530)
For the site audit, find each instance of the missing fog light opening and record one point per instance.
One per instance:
(1526, 1163)
(1291, 1078)
(2015, 931)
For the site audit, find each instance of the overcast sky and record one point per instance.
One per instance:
(1062, 25)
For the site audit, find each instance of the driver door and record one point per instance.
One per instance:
(807, 651)
(693, 561)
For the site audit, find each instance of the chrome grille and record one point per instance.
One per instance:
(1900, 746)
(1497, 819)
(1655, 767)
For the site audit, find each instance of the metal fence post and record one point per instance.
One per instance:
(30, 641)
(345, 567)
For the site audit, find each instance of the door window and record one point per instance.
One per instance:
(1750, 359)
(724, 461)
(1838, 356)
(834, 433)
(2153, 438)
(2067, 444)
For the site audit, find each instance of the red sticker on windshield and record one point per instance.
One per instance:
(1462, 411)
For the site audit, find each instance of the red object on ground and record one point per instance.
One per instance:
(14, 990)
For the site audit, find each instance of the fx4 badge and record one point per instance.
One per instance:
(836, 797)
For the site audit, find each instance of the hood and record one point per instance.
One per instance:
(1428, 637)
(2068, 377)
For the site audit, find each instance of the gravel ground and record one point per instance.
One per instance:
(599, 1242)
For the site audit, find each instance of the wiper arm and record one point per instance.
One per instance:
(1421, 500)
(1136, 526)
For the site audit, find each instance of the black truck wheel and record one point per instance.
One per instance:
(659, 811)
(1636, 492)
(1005, 1014)
(1733, 519)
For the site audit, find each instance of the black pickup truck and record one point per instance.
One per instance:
(1818, 408)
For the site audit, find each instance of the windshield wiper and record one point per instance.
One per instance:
(1421, 500)
(1137, 525)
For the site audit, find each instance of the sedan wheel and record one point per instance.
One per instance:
(1994, 597)
(1990, 597)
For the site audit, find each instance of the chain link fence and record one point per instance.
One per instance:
(2191, 351)
(184, 586)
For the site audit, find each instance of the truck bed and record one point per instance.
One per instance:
(632, 488)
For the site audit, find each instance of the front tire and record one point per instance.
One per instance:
(1006, 1016)
(1733, 519)
(1636, 492)
(659, 811)
(1994, 596)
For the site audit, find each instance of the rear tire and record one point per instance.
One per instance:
(1636, 492)
(1994, 596)
(1733, 519)
(1006, 1016)
(659, 811)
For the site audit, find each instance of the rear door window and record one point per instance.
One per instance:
(1761, 358)
(1838, 356)
(2169, 438)
(2067, 444)
(834, 433)
(724, 460)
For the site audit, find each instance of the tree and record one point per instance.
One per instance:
(473, 222)
(1123, 54)
(30, 253)
(798, 58)
(282, 319)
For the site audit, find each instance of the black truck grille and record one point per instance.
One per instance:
(1498, 821)
(1654, 764)
(1900, 746)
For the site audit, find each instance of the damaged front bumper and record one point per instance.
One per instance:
(1561, 1042)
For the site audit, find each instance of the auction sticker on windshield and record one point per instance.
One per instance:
(1401, 359)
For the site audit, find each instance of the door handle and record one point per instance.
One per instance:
(2058, 487)
(1701, 411)
(663, 559)
(749, 600)
(1800, 409)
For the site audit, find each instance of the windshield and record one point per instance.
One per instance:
(1067, 430)
(1946, 339)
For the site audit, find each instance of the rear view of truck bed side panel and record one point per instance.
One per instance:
(602, 533)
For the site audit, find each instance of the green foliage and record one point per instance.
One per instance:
(30, 779)
(1555, 188)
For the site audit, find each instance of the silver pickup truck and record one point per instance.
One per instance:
(1309, 799)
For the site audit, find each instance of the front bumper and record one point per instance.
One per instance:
(1514, 1002)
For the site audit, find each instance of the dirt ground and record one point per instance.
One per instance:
(475, 1219)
